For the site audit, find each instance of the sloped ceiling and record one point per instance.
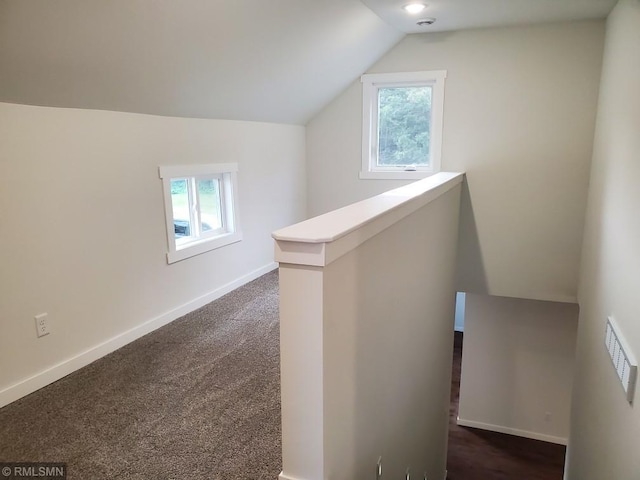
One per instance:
(264, 60)
(463, 14)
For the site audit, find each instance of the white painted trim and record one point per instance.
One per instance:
(227, 176)
(171, 171)
(512, 431)
(430, 76)
(282, 476)
(371, 83)
(322, 240)
(336, 224)
(203, 246)
(302, 336)
(76, 362)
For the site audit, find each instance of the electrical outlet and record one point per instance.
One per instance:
(42, 324)
(547, 416)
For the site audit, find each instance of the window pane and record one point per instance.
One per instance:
(180, 205)
(210, 212)
(404, 121)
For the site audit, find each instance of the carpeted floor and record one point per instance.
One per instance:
(200, 399)
(481, 455)
(196, 399)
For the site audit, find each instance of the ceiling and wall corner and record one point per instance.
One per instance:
(465, 14)
(513, 138)
(279, 61)
(519, 119)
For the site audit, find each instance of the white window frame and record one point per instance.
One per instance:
(371, 83)
(226, 174)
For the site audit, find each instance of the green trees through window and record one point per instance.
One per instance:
(402, 114)
(404, 125)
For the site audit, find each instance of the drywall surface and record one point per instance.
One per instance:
(277, 61)
(605, 429)
(517, 366)
(83, 226)
(519, 117)
(366, 348)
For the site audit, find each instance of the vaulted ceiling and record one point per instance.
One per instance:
(463, 14)
(264, 60)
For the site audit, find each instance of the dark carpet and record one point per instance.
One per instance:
(481, 455)
(196, 399)
(200, 399)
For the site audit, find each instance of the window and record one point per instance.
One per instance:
(402, 124)
(200, 207)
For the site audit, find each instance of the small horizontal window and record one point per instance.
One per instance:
(200, 207)
(402, 124)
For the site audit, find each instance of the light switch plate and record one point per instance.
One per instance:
(622, 357)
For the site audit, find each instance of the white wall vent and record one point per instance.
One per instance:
(623, 359)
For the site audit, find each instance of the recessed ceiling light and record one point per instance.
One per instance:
(414, 8)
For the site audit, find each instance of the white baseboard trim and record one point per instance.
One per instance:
(76, 362)
(282, 476)
(512, 431)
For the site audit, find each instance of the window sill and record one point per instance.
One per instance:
(397, 175)
(203, 246)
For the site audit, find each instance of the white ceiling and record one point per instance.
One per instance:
(264, 60)
(463, 14)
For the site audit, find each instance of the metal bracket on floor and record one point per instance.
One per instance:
(407, 475)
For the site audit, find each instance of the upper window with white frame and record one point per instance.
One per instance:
(200, 208)
(402, 124)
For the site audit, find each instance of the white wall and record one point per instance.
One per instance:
(517, 366)
(519, 116)
(605, 429)
(366, 356)
(83, 229)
